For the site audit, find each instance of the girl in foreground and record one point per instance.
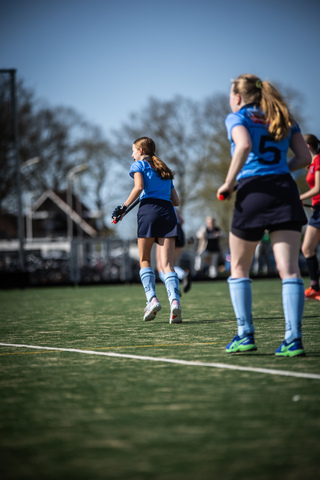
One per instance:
(261, 130)
(157, 222)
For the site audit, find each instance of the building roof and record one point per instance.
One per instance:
(60, 201)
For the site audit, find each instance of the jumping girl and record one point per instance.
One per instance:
(157, 222)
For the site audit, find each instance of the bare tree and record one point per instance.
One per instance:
(59, 136)
(97, 153)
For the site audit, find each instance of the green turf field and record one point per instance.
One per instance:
(75, 415)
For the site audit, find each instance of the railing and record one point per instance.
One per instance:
(85, 261)
(95, 261)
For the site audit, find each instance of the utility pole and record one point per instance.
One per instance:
(12, 72)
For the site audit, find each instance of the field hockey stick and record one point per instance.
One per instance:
(133, 204)
(307, 205)
(224, 195)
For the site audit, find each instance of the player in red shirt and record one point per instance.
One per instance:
(312, 234)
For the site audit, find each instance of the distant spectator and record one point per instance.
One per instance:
(208, 251)
(262, 254)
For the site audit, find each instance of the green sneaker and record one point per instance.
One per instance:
(292, 349)
(241, 344)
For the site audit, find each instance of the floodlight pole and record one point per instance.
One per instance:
(12, 72)
(24, 165)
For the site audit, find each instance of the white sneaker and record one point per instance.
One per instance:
(151, 309)
(175, 314)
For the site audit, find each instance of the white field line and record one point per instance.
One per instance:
(268, 371)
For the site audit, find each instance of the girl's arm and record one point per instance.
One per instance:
(242, 140)
(313, 191)
(137, 189)
(302, 156)
(175, 198)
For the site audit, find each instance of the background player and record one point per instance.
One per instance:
(208, 251)
(312, 233)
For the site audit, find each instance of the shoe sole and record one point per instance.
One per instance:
(243, 348)
(296, 353)
(152, 314)
(175, 316)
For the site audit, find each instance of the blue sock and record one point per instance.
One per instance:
(241, 298)
(293, 304)
(161, 276)
(172, 286)
(148, 280)
(180, 272)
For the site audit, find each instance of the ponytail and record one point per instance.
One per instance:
(271, 102)
(276, 111)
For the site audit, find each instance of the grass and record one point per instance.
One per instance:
(69, 415)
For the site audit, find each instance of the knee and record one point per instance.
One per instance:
(288, 271)
(307, 251)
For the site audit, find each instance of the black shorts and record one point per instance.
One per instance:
(156, 219)
(180, 239)
(268, 202)
(314, 220)
(255, 234)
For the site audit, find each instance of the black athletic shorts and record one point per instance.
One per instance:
(180, 239)
(314, 220)
(267, 202)
(156, 219)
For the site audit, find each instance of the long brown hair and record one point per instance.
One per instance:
(148, 147)
(270, 100)
(313, 141)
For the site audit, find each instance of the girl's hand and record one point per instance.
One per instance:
(224, 192)
(118, 213)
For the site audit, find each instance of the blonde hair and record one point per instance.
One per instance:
(148, 147)
(270, 100)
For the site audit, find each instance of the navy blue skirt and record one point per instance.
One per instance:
(156, 219)
(266, 200)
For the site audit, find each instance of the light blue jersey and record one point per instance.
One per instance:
(154, 185)
(267, 156)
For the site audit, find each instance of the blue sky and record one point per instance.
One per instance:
(106, 58)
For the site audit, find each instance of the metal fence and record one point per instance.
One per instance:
(96, 261)
(85, 261)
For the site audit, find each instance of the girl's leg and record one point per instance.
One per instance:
(148, 278)
(159, 266)
(310, 242)
(179, 271)
(242, 252)
(213, 267)
(167, 247)
(286, 247)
